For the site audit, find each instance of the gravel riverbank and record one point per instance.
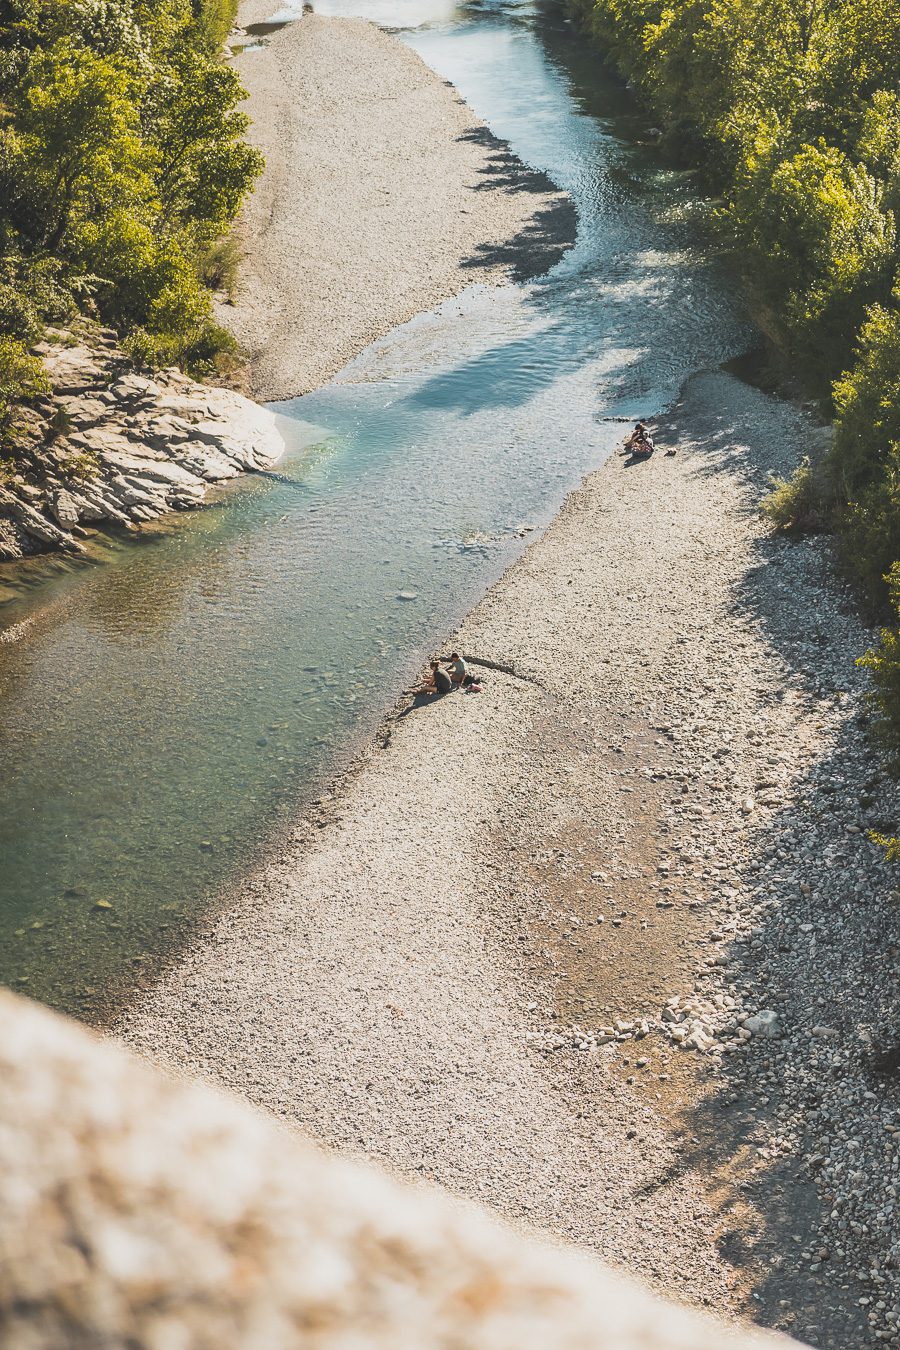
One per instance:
(382, 195)
(478, 961)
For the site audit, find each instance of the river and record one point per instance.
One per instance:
(171, 704)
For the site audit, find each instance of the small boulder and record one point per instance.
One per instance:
(764, 1023)
(65, 509)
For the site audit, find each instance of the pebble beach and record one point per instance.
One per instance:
(606, 946)
(568, 1009)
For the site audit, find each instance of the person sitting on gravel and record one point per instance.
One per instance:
(640, 442)
(438, 683)
(457, 668)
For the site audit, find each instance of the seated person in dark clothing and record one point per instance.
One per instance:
(438, 683)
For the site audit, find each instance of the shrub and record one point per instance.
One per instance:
(204, 350)
(795, 503)
(210, 350)
(82, 466)
(867, 401)
(883, 664)
(31, 294)
(21, 377)
(818, 246)
(220, 263)
(213, 20)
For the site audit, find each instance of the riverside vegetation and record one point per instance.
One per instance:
(793, 107)
(122, 166)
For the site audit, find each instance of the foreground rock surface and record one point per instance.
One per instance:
(137, 1212)
(111, 445)
(606, 945)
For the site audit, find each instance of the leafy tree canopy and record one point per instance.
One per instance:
(122, 162)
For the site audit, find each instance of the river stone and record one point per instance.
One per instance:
(136, 387)
(83, 410)
(205, 462)
(765, 1024)
(65, 509)
(35, 524)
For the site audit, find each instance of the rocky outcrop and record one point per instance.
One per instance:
(136, 1211)
(111, 445)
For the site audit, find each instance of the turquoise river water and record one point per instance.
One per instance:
(172, 701)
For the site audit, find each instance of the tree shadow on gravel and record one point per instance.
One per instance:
(546, 235)
(731, 439)
(537, 247)
(504, 169)
(777, 1109)
(790, 1135)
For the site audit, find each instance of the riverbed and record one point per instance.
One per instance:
(168, 706)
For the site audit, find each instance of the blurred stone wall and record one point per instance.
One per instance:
(138, 1211)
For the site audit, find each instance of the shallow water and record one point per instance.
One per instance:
(167, 705)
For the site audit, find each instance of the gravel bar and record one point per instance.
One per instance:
(382, 195)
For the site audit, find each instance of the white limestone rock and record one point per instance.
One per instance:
(36, 525)
(74, 369)
(153, 444)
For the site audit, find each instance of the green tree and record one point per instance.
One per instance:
(75, 149)
(818, 246)
(204, 164)
(122, 163)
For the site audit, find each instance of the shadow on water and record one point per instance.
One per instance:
(505, 376)
(629, 349)
(774, 1218)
